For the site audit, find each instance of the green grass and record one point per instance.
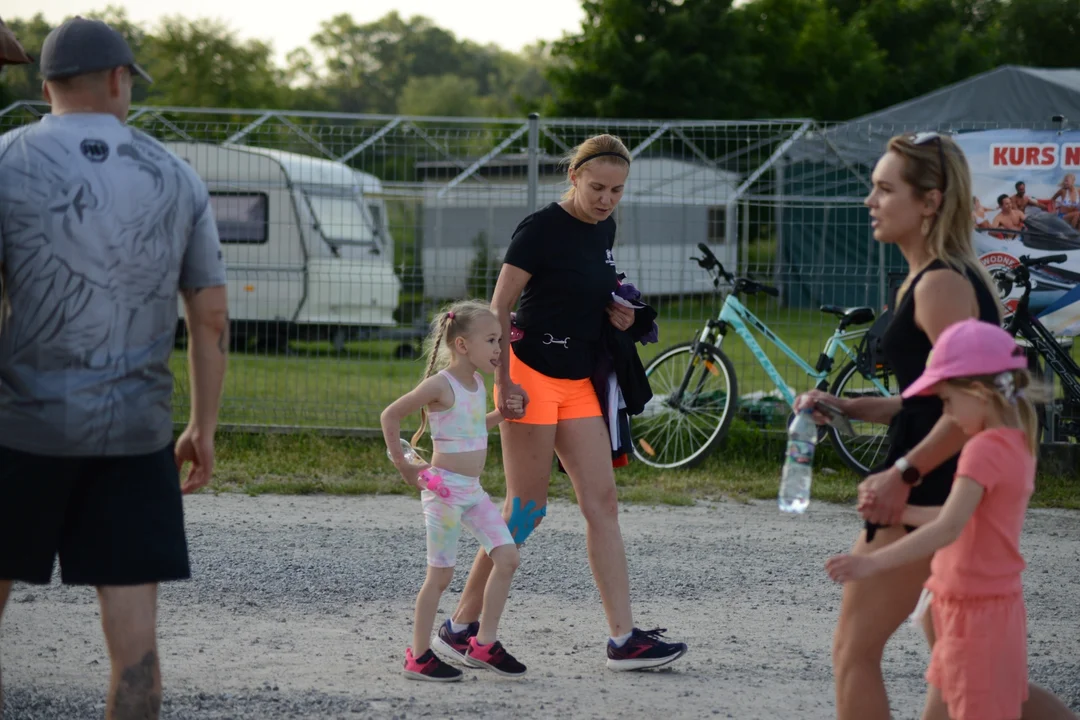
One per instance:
(305, 390)
(315, 386)
(747, 468)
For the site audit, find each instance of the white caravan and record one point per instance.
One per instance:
(307, 247)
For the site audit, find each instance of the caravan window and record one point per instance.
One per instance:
(242, 218)
(376, 217)
(341, 219)
(717, 231)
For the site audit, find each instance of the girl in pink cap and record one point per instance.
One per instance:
(978, 665)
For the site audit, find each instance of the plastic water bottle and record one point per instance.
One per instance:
(798, 463)
(407, 450)
(434, 482)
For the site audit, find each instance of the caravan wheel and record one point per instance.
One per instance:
(270, 338)
(180, 341)
(338, 338)
(406, 351)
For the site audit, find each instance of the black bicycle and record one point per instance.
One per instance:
(1062, 417)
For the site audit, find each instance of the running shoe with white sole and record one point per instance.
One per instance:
(644, 649)
(429, 667)
(454, 645)
(493, 657)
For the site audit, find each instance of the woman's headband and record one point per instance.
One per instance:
(587, 158)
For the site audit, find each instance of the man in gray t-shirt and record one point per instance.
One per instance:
(101, 231)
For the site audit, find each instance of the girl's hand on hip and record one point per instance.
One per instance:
(411, 474)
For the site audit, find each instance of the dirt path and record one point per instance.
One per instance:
(300, 607)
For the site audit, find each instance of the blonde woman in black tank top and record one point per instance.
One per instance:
(921, 202)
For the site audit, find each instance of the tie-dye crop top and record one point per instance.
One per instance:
(463, 427)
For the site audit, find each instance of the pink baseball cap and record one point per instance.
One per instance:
(967, 349)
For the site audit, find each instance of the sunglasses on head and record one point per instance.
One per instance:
(925, 137)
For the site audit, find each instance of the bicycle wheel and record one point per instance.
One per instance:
(870, 444)
(1062, 412)
(679, 430)
(1037, 368)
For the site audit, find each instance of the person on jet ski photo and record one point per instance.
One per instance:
(1068, 206)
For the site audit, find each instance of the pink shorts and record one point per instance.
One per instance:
(467, 506)
(979, 660)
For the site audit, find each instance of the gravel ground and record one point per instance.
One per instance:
(300, 607)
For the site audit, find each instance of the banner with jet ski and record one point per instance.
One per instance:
(1027, 202)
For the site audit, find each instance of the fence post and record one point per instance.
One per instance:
(744, 218)
(779, 276)
(883, 291)
(534, 159)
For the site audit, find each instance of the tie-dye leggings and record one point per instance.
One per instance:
(469, 506)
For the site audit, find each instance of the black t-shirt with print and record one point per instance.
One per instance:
(562, 309)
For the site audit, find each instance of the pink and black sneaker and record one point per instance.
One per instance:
(644, 649)
(454, 645)
(429, 667)
(493, 657)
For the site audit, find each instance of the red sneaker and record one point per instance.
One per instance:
(429, 667)
(493, 657)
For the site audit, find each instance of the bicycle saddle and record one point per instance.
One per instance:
(850, 316)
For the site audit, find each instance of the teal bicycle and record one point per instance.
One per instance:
(695, 391)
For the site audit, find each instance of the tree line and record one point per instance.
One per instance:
(698, 59)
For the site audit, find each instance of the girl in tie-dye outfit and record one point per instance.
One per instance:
(465, 339)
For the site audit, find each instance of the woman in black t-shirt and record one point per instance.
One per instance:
(560, 265)
(921, 201)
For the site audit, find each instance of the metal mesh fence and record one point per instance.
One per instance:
(343, 234)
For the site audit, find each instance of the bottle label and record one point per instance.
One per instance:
(800, 452)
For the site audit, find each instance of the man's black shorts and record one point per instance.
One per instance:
(112, 520)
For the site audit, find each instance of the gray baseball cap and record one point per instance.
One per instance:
(80, 46)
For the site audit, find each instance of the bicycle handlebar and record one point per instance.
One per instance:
(709, 262)
(752, 286)
(742, 285)
(709, 259)
(1020, 274)
(1030, 262)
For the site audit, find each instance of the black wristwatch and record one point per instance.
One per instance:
(908, 472)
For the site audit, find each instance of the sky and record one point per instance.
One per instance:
(483, 21)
